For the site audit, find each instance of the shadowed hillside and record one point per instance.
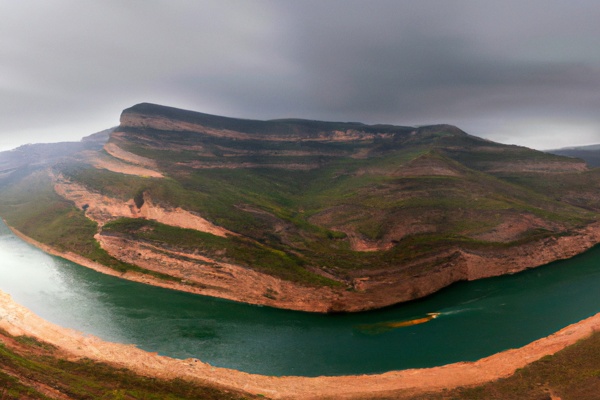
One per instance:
(590, 154)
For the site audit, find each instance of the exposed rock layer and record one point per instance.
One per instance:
(371, 289)
(387, 213)
(102, 209)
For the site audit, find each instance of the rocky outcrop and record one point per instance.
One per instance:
(518, 258)
(234, 165)
(117, 165)
(513, 227)
(432, 205)
(367, 290)
(128, 157)
(141, 120)
(427, 165)
(102, 209)
(537, 167)
(390, 287)
(202, 275)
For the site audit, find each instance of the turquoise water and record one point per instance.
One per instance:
(476, 318)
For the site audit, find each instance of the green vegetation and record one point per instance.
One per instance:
(299, 203)
(29, 367)
(233, 249)
(32, 207)
(573, 373)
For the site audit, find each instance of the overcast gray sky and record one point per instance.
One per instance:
(523, 72)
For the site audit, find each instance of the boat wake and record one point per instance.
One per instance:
(382, 327)
(459, 311)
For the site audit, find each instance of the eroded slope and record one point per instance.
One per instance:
(319, 216)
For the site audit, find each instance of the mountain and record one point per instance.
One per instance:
(590, 154)
(300, 214)
(26, 158)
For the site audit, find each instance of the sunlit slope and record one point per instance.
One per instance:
(324, 204)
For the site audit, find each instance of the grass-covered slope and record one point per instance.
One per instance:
(31, 369)
(369, 186)
(311, 202)
(32, 206)
(572, 373)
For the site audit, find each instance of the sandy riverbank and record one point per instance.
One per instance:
(18, 320)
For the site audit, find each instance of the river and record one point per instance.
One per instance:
(464, 322)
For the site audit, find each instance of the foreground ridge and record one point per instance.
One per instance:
(16, 320)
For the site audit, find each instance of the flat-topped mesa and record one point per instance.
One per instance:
(327, 216)
(202, 141)
(160, 118)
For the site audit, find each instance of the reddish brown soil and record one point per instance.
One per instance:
(17, 320)
(371, 289)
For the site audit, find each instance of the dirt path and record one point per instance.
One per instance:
(18, 320)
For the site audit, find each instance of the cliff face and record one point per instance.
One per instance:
(311, 215)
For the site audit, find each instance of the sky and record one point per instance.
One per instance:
(523, 72)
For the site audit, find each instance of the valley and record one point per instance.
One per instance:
(208, 337)
(326, 217)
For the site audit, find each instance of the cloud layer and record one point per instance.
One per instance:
(512, 71)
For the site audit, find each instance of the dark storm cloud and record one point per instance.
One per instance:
(70, 63)
(452, 60)
(521, 72)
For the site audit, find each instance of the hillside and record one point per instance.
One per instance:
(32, 369)
(17, 163)
(590, 154)
(309, 215)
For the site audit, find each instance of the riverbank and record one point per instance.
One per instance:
(397, 383)
(370, 292)
(18, 320)
(86, 262)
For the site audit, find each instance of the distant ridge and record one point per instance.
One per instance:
(589, 153)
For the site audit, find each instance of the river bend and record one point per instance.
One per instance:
(464, 322)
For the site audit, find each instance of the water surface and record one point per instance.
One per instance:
(475, 319)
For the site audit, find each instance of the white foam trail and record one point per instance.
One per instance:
(459, 311)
